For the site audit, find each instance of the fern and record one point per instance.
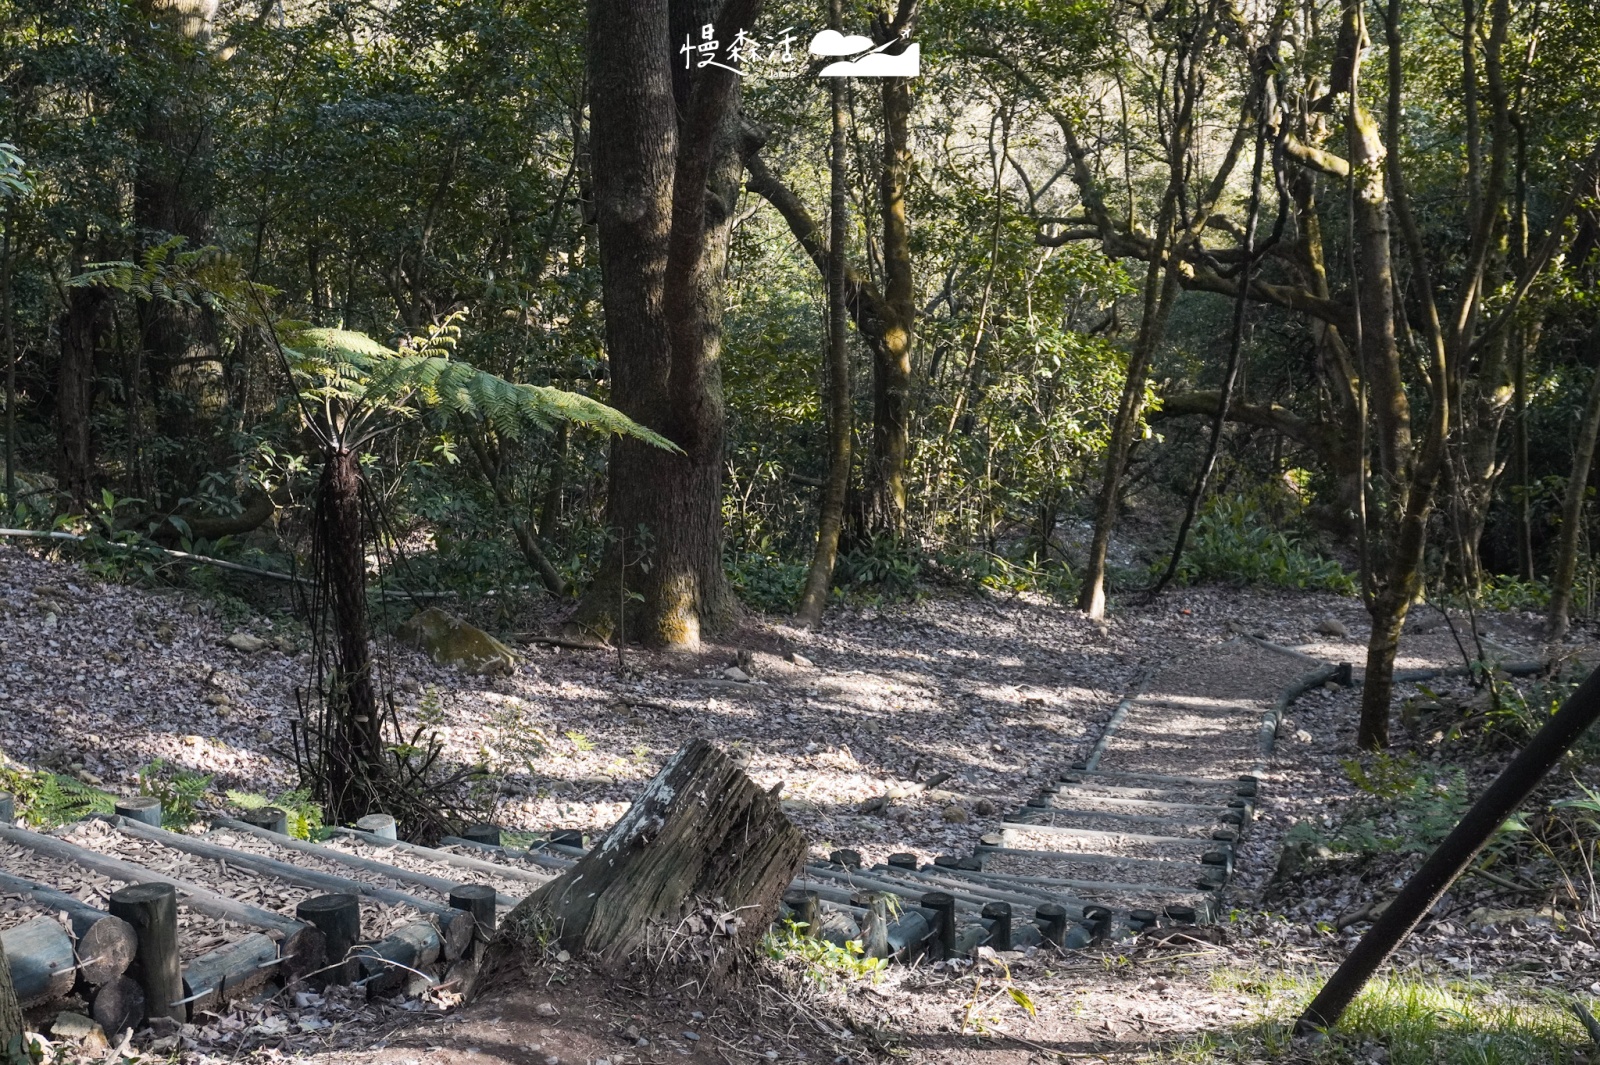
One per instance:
(180, 792)
(350, 370)
(305, 816)
(206, 277)
(46, 800)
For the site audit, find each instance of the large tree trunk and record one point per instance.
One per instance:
(885, 500)
(666, 175)
(830, 522)
(1566, 562)
(80, 327)
(172, 198)
(701, 834)
(352, 758)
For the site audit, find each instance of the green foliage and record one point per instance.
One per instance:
(1230, 543)
(1413, 1019)
(352, 371)
(13, 173)
(1412, 806)
(46, 800)
(180, 792)
(767, 581)
(305, 816)
(884, 566)
(824, 962)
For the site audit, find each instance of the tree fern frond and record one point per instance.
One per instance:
(352, 367)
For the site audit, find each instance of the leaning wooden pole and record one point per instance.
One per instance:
(1451, 858)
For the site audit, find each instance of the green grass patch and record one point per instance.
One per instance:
(1400, 1019)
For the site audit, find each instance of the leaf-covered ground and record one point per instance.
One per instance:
(99, 680)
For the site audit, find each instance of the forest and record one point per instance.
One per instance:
(1096, 497)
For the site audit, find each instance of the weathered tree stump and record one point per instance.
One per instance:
(700, 836)
(10, 1009)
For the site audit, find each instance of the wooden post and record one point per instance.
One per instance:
(478, 900)
(902, 860)
(8, 807)
(850, 859)
(482, 833)
(380, 825)
(118, 1004)
(1052, 918)
(146, 809)
(152, 910)
(1000, 930)
(39, 954)
(875, 927)
(269, 818)
(804, 905)
(944, 904)
(338, 918)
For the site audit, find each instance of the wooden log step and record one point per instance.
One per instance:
(299, 944)
(554, 862)
(1155, 867)
(1115, 776)
(408, 952)
(367, 865)
(105, 944)
(914, 883)
(229, 972)
(1124, 898)
(458, 861)
(456, 926)
(1074, 800)
(1083, 840)
(116, 1005)
(39, 954)
(1179, 793)
(1046, 818)
(1181, 876)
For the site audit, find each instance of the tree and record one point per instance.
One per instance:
(830, 522)
(351, 390)
(665, 173)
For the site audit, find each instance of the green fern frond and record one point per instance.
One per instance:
(349, 366)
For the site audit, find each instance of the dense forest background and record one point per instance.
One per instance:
(1317, 280)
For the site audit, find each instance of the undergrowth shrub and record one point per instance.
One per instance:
(1230, 543)
(305, 816)
(45, 800)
